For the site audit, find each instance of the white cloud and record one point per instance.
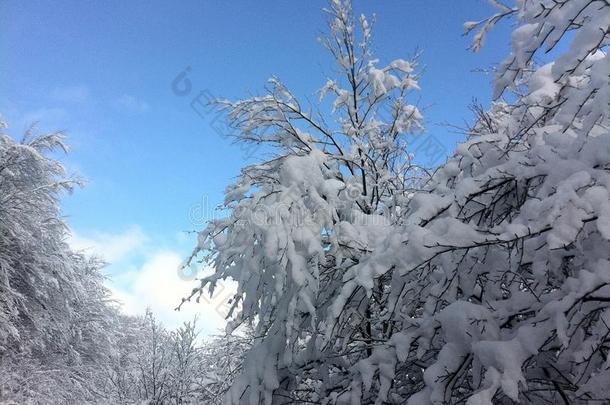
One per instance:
(143, 276)
(111, 247)
(71, 94)
(158, 285)
(131, 104)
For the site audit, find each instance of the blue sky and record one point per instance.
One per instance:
(154, 167)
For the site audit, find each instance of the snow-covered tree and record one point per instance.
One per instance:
(153, 362)
(489, 287)
(300, 220)
(31, 237)
(54, 310)
(157, 366)
(122, 374)
(500, 271)
(221, 361)
(187, 368)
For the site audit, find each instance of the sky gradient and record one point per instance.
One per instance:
(154, 168)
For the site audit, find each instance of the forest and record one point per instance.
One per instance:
(362, 275)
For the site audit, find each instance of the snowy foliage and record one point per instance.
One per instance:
(491, 286)
(303, 218)
(53, 309)
(500, 271)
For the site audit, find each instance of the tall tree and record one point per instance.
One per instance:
(502, 266)
(300, 220)
(54, 310)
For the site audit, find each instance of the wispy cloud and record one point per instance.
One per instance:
(111, 247)
(41, 119)
(71, 94)
(131, 104)
(46, 117)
